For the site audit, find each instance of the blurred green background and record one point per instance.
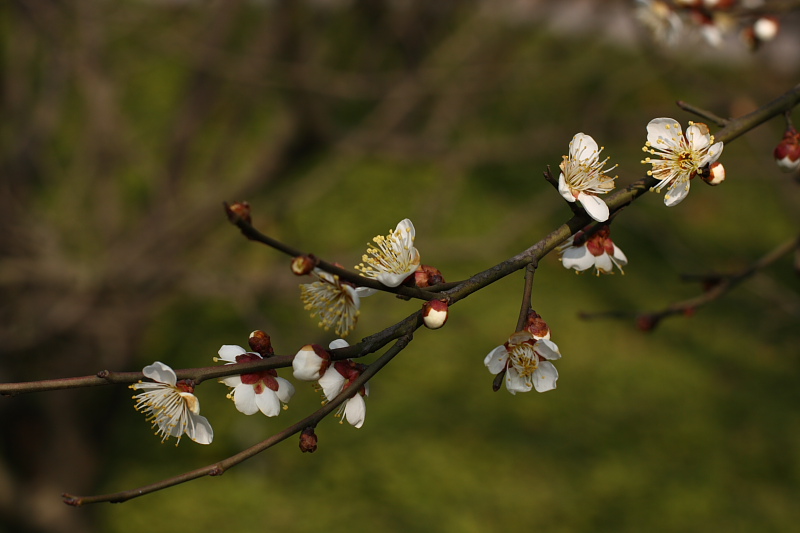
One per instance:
(127, 124)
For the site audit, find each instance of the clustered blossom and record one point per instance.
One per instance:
(254, 391)
(682, 156)
(312, 363)
(525, 359)
(597, 250)
(583, 178)
(393, 258)
(337, 302)
(171, 405)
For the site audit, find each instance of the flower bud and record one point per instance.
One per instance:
(237, 212)
(304, 264)
(713, 175)
(310, 362)
(536, 326)
(261, 343)
(434, 313)
(308, 440)
(427, 276)
(787, 153)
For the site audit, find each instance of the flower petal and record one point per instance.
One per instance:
(244, 397)
(698, 139)
(199, 429)
(619, 257)
(603, 264)
(231, 381)
(594, 205)
(496, 360)
(676, 193)
(663, 132)
(564, 189)
(545, 377)
(331, 382)
(160, 372)
(583, 148)
(338, 343)
(577, 257)
(285, 390)
(355, 411)
(515, 383)
(713, 154)
(268, 402)
(228, 352)
(547, 349)
(363, 292)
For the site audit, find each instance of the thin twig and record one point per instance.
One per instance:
(704, 113)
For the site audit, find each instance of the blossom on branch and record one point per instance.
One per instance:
(391, 259)
(682, 155)
(171, 405)
(336, 302)
(597, 250)
(583, 178)
(254, 391)
(526, 363)
(338, 378)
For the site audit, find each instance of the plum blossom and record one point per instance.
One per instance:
(597, 250)
(391, 259)
(310, 362)
(254, 391)
(682, 155)
(336, 302)
(583, 178)
(526, 363)
(171, 405)
(337, 378)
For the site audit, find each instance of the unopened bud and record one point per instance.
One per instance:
(713, 175)
(434, 313)
(646, 322)
(261, 343)
(237, 212)
(536, 326)
(787, 153)
(427, 276)
(310, 362)
(308, 440)
(304, 264)
(766, 28)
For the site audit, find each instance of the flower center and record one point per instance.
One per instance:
(524, 359)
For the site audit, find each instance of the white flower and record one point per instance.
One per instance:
(339, 377)
(392, 258)
(170, 405)
(310, 362)
(336, 302)
(526, 362)
(255, 391)
(583, 178)
(682, 156)
(597, 250)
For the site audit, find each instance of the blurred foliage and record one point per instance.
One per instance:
(335, 122)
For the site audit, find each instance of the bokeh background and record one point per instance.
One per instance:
(125, 125)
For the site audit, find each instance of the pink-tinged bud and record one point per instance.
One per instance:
(261, 343)
(427, 276)
(713, 175)
(787, 153)
(308, 441)
(434, 313)
(304, 264)
(237, 212)
(310, 362)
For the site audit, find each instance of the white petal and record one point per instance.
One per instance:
(306, 364)
(713, 154)
(231, 381)
(160, 372)
(577, 257)
(338, 343)
(619, 257)
(363, 292)
(545, 377)
(244, 397)
(331, 382)
(515, 384)
(393, 280)
(697, 139)
(355, 410)
(268, 403)
(496, 360)
(564, 190)
(285, 390)
(199, 429)
(406, 229)
(676, 193)
(603, 263)
(584, 148)
(547, 349)
(667, 129)
(228, 352)
(594, 205)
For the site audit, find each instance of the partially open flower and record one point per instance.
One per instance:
(787, 153)
(583, 178)
(434, 313)
(254, 391)
(597, 250)
(536, 326)
(339, 377)
(682, 156)
(713, 175)
(393, 258)
(310, 362)
(427, 276)
(526, 363)
(171, 405)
